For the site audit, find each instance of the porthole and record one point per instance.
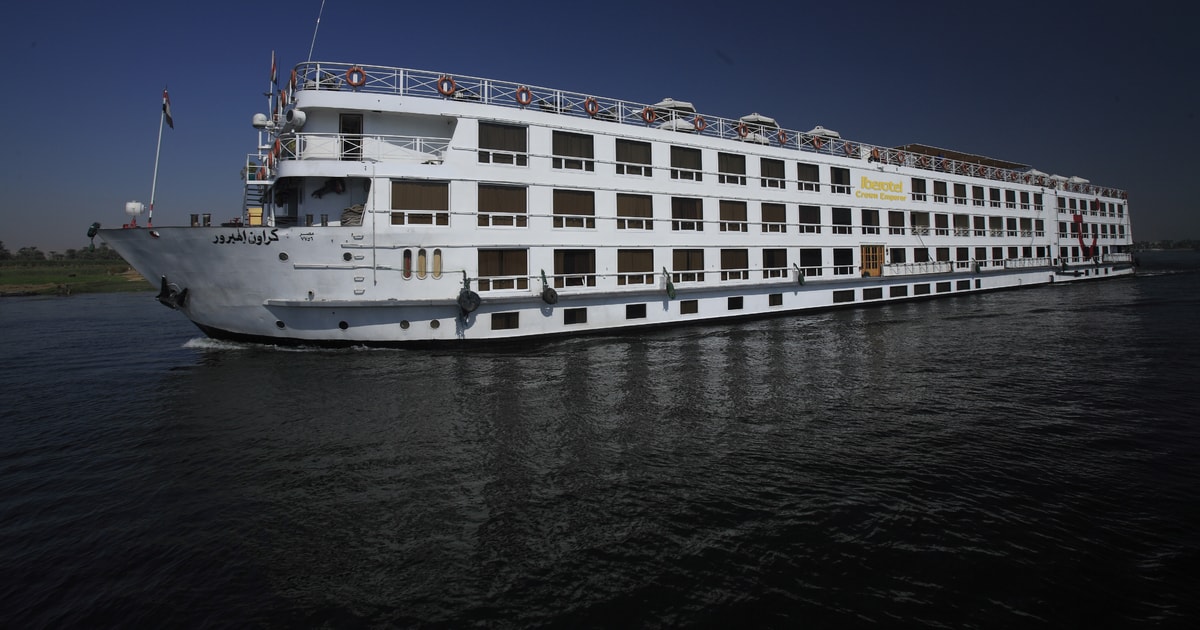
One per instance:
(343, 325)
(346, 257)
(283, 256)
(404, 324)
(435, 324)
(279, 324)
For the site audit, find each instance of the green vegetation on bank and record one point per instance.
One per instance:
(100, 270)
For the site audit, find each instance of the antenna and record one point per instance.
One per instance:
(314, 39)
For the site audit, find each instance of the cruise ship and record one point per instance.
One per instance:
(391, 206)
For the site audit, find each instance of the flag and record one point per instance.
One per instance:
(274, 71)
(167, 109)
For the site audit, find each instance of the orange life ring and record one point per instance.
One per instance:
(591, 106)
(700, 123)
(781, 136)
(648, 115)
(875, 154)
(277, 148)
(356, 77)
(446, 86)
(292, 84)
(818, 142)
(524, 96)
(743, 130)
(848, 148)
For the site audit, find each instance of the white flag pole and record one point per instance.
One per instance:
(157, 149)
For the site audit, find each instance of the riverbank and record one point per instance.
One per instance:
(59, 277)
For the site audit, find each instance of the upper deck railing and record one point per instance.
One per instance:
(408, 82)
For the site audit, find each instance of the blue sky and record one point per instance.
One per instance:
(1105, 91)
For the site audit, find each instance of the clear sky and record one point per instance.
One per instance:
(1103, 90)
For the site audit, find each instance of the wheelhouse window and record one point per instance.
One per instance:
(840, 177)
(573, 151)
(810, 219)
(633, 158)
(808, 176)
(574, 268)
(772, 173)
(503, 269)
(635, 212)
(731, 168)
(842, 221)
(687, 265)
(733, 216)
(635, 266)
(687, 214)
(420, 203)
(685, 164)
(503, 144)
(774, 263)
(574, 209)
(503, 206)
(735, 264)
(774, 217)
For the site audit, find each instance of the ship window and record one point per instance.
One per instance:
(920, 223)
(734, 303)
(574, 316)
(635, 266)
(731, 168)
(685, 164)
(943, 287)
(775, 299)
(977, 195)
(689, 307)
(502, 205)
(772, 173)
(1011, 224)
(733, 216)
(1037, 201)
(1024, 199)
(422, 261)
(774, 217)
(1013, 253)
(843, 261)
(981, 255)
(920, 254)
(774, 262)
(960, 194)
(1039, 227)
(407, 270)
(1026, 227)
(437, 264)
(900, 291)
(574, 209)
(735, 264)
(897, 255)
(573, 151)
(896, 222)
(918, 189)
(939, 193)
(635, 311)
(941, 224)
(574, 268)
(505, 321)
(997, 253)
(994, 197)
(1010, 199)
(962, 225)
(810, 261)
(980, 226)
(870, 221)
(635, 212)
(846, 295)
(503, 269)
(633, 158)
(842, 221)
(687, 214)
(810, 219)
(943, 254)
(840, 177)
(420, 203)
(875, 293)
(809, 176)
(503, 144)
(688, 265)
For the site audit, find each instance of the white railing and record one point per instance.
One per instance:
(1025, 263)
(912, 269)
(407, 82)
(336, 146)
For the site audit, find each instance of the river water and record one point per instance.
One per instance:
(1022, 458)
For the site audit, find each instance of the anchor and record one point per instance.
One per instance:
(170, 296)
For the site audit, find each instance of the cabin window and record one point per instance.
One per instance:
(687, 265)
(994, 197)
(503, 269)
(689, 307)
(840, 177)
(503, 206)
(1026, 227)
(573, 151)
(843, 261)
(900, 291)
(1039, 227)
(1024, 199)
(920, 223)
(574, 268)
(635, 311)
(635, 266)
(870, 221)
(997, 254)
(505, 321)
(774, 217)
(420, 203)
(842, 221)
(962, 225)
(635, 212)
(1037, 203)
(939, 192)
(1011, 225)
(980, 226)
(897, 255)
(574, 209)
(734, 303)
(845, 295)
(943, 254)
(981, 255)
(772, 173)
(685, 164)
(733, 216)
(422, 264)
(735, 264)
(503, 144)
(896, 222)
(408, 264)
(574, 316)
(1010, 199)
(437, 264)
(960, 194)
(941, 224)
(918, 189)
(977, 195)
(810, 261)
(687, 214)
(920, 254)
(633, 158)
(731, 168)
(809, 176)
(810, 219)
(775, 299)
(774, 263)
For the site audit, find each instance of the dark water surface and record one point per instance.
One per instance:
(1019, 459)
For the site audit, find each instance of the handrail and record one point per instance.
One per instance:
(320, 75)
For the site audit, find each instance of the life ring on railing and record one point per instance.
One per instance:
(874, 155)
(524, 96)
(782, 137)
(648, 115)
(292, 83)
(591, 107)
(848, 148)
(277, 149)
(743, 130)
(356, 77)
(446, 86)
(818, 142)
(700, 123)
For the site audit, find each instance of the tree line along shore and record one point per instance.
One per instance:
(29, 271)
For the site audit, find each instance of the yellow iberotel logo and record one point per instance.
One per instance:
(886, 190)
